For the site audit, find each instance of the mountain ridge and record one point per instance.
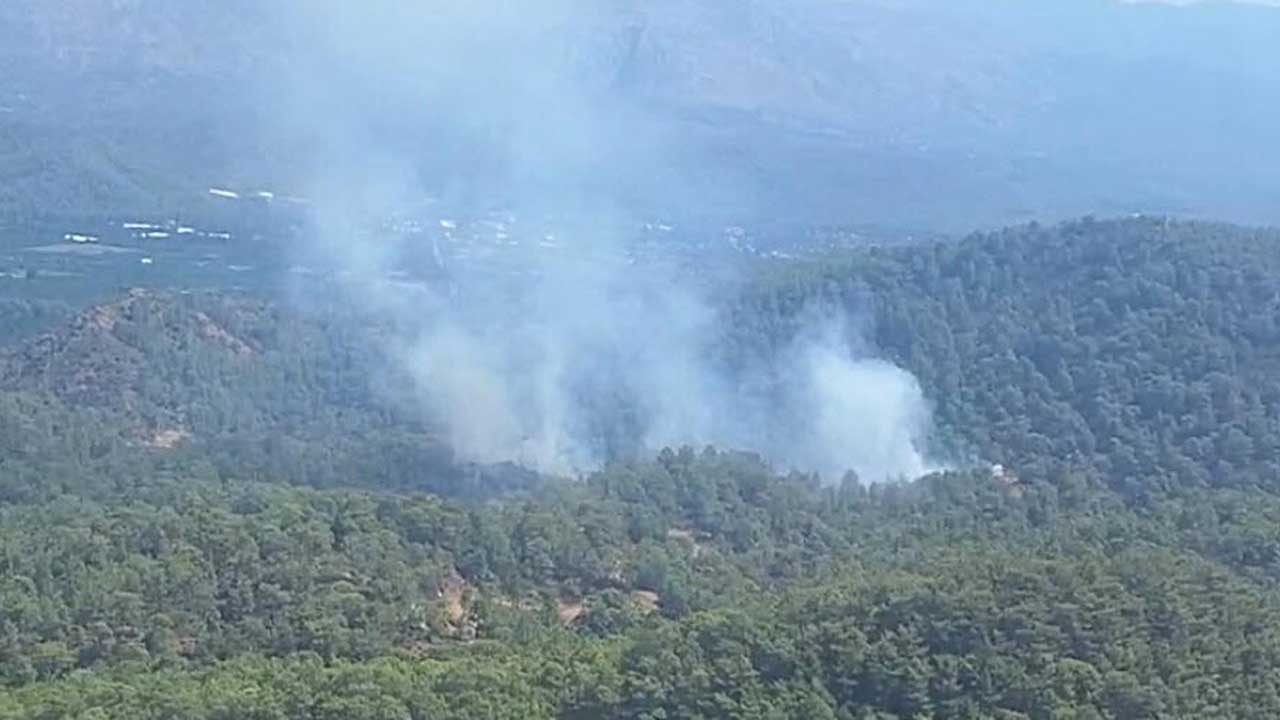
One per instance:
(842, 111)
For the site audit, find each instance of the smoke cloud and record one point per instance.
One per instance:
(555, 349)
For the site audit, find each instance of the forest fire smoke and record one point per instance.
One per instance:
(595, 359)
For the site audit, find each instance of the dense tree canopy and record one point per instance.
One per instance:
(206, 512)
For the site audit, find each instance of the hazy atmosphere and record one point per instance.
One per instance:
(911, 114)
(639, 359)
(572, 361)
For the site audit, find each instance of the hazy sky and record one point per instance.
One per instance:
(1270, 3)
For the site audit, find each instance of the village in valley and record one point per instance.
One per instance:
(253, 238)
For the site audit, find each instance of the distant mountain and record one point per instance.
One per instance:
(909, 112)
(129, 38)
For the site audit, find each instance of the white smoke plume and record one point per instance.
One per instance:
(578, 357)
(868, 415)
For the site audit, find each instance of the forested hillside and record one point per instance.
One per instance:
(254, 390)
(1142, 353)
(211, 508)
